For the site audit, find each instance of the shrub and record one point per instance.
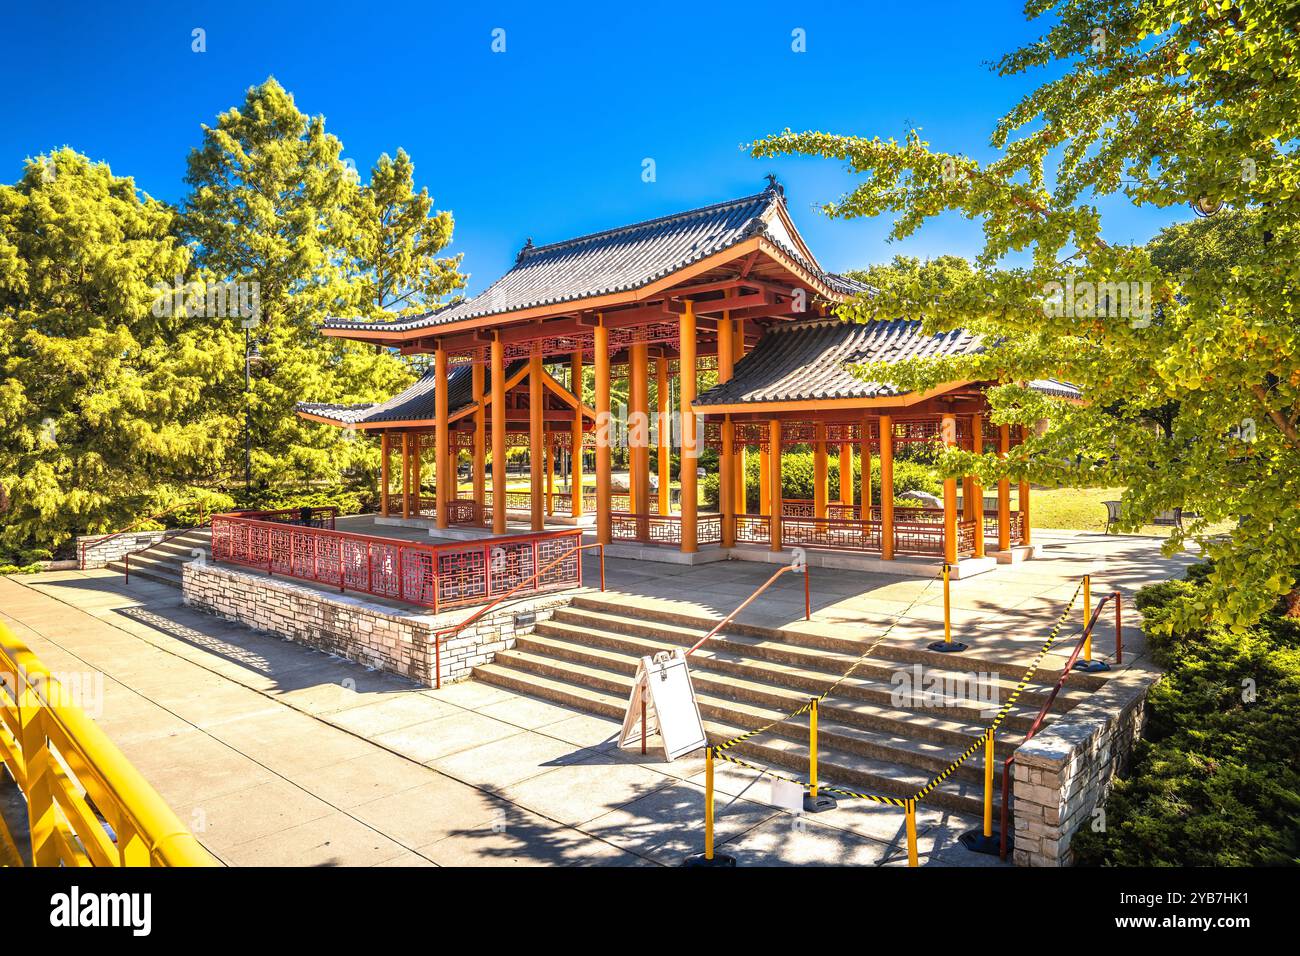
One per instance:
(1215, 781)
(797, 469)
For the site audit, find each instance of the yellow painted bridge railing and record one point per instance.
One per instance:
(86, 804)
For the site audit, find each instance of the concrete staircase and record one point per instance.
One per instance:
(162, 562)
(586, 656)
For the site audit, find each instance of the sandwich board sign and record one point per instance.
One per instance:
(663, 696)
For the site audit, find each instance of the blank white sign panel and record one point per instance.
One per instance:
(674, 705)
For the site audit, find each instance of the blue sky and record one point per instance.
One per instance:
(548, 138)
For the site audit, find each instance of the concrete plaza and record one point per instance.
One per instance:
(275, 754)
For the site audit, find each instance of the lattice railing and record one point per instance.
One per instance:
(663, 529)
(437, 576)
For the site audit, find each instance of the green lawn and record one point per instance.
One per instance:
(1081, 509)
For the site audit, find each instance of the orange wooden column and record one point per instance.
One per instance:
(774, 477)
(1004, 492)
(665, 436)
(846, 473)
(498, 435)
(638, 435)
(764, 481)
(575, 456)
(949, 433)
(887, 487)
(550, 475)
(727, 454)
(604, 523)
(864, 470)
(444, 473)
(384, 476)
(417, 478)
(820, 471)
(536, 439)
(690, 447)
(406, 474)
(1023, 504)
(480, 437)
(741, 504)
(976, 489)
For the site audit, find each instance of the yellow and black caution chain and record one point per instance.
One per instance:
(750, 734)
(902, 802)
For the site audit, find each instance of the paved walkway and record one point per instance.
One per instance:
(276, 754)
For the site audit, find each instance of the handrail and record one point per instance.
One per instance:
(101, 539)
(1051, 698)
(108, 814)
(807, 603)
(456, 628)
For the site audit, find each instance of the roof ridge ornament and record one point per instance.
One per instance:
(523, 253)
(774, 186)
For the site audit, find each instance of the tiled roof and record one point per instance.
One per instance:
(1056, 388)
(415, 403)
(808, 361)
(620, 260)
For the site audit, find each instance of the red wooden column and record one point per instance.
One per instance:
(604, 523)
(536, 439)
(976, 489)
(1004, 492)
(575, 456)
(498, 435)
(774, 477)
(949, 433)
(384, 476)
(887, 487)
(690, 447)
(444, 474)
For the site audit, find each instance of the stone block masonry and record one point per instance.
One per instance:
(1063, 774)
(97, 550)
(350, 626)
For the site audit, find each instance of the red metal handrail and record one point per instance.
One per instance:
(807, 603)
(438, 636)
(101, 539)
(1051, 698)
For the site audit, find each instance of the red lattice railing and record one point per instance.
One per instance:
(663, 529)
(437, 576)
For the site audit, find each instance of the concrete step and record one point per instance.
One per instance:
(638, 619)
(162, 561)
(845, 768)
(160, 575)
(716, 703)
(788, 690)
(873, 680)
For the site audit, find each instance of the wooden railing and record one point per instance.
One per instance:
(440, 576)
(663, 529)
(86, 804)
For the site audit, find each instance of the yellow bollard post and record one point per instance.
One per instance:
(708, 804)
(988, 784)
(708, 858)
(985, 840)
(1087, 613)
(947, 645)
(911, 833)
(814, 803)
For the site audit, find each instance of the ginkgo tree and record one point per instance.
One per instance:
(1168, 103)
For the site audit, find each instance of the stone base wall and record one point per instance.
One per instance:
(1063, 774)
(357, 629)
(97, 550)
